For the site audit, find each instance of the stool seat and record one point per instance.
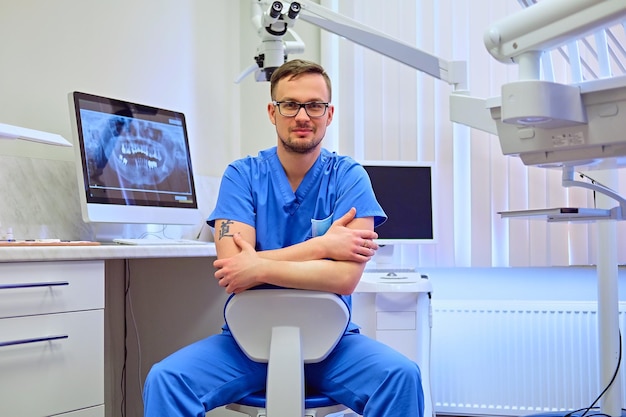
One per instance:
(312, 400)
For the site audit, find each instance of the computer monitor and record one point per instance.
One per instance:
(133, 162)
(405, 192)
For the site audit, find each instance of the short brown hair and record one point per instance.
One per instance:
(295, 68)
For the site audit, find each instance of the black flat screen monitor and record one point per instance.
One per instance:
(405, 191)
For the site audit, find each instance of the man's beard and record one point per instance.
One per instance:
(300, 146)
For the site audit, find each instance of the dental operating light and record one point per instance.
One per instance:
(272, 25)
(550, 124)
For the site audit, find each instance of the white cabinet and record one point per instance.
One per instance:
(397, 311)
(52, 338)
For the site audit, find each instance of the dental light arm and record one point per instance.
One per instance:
(547, 25)
(452, 72)
(273, 31)
(466, 110)
(617, 212)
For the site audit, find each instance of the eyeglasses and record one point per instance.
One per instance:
(291, 108)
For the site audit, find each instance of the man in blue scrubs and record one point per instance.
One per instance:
(295, 216)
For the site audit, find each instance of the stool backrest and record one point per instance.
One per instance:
(321, 317)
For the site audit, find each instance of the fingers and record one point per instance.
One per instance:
(368, 239)
(238, 239)
(368, 234)
(218, 263)
(230, 272)
(366, 250)
(370, 243)
(222, 280)
(365, 256)
(241, 242)
(346, 218)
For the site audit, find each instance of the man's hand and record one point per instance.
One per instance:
(346, 244)
(239, 272)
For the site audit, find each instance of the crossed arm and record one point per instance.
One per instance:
(332, 262)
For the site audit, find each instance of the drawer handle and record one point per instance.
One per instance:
(33, 340)
(33, 285)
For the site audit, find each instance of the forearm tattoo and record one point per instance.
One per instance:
(225, 229)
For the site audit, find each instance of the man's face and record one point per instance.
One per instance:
(301, 133)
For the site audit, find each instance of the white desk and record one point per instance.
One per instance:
(172, 301)
(63, 315)
(102, 252)
(396, 310)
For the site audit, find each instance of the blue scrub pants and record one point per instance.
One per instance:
(363, 374)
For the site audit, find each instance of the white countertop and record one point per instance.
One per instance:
(370, 282)
(104, 251)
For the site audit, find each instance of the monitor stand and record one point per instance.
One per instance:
(385, 261)
(106, 232)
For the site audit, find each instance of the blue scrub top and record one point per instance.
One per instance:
(256, 191)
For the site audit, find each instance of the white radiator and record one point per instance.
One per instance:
(515, 358)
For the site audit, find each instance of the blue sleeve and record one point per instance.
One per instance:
(357, 192)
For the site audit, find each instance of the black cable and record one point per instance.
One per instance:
(593, 404)
(592, 180)
(123, 378)
(585, 176)
(599, 414)
(571, 413)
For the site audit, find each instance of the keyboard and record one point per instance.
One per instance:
(157, 241)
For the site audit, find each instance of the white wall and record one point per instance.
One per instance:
(160, 53)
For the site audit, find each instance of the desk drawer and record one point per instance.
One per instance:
(51, 364)
(28, 288)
